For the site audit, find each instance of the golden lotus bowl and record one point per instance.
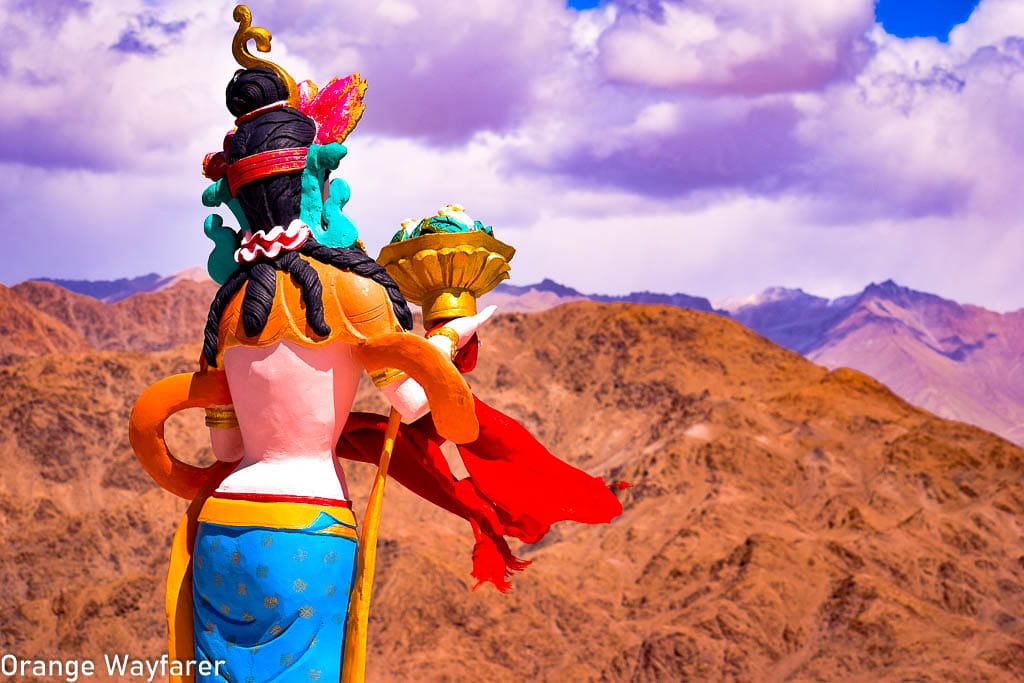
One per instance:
(445, 273)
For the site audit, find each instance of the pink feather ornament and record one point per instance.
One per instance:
(336, 108)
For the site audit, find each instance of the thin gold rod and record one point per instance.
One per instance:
(353, 666)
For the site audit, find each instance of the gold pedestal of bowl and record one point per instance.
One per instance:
(445, 273)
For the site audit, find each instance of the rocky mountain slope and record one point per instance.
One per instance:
(112, 291)
(547, 293)
(790, 317)
(151, 321)
(958, 361)
(26, 331)
(786, 522)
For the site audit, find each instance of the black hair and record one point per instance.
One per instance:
(273, 200)
(276, 200)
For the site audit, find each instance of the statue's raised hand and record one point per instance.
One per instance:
(455, 333)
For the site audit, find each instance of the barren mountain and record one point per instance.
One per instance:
(790, 317)
(961, 362)
(785, 522)
(547, 294)
(530, 299)
(958, 361)
(112, 291)
(150, 321)
(26, 332)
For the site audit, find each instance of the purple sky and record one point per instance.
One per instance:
(714, 147)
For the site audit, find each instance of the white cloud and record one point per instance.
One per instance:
(769, 144)
(991, 22)
(732, 46)
(923, 130)
(397, 12)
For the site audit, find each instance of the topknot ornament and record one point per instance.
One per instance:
(334, 109)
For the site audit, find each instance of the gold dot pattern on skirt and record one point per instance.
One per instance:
(314, 675)
(270, 602)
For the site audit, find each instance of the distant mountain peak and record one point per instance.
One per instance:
(904, 296)
(771, 295)
(782, 293)
(545, 285)
(112, 291)
(645, 297)
(109, 291)
(889, 286)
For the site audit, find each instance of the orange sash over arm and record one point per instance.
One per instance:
(146, 429)
(451, 402)
(146, 433)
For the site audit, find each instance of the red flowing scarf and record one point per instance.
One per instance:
(515, 487)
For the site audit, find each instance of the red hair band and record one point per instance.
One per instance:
(265, 164)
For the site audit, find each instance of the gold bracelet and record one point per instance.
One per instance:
(448, 332)
(221, 418)
(386, 376)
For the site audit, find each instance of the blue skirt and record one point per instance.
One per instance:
(270, 586)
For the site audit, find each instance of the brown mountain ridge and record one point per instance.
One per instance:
(25, 331)
(785, 522)
(958, 361)
(149, 321)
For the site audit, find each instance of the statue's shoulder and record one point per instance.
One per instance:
(354, 307)
(361, 302)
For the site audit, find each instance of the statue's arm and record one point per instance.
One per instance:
(404, 393)
(146, 428)
(407, 397)
(225, 436)
(227, 443)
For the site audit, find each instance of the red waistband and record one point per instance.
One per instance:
(282, 498)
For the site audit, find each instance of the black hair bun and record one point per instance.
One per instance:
(251, 89)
